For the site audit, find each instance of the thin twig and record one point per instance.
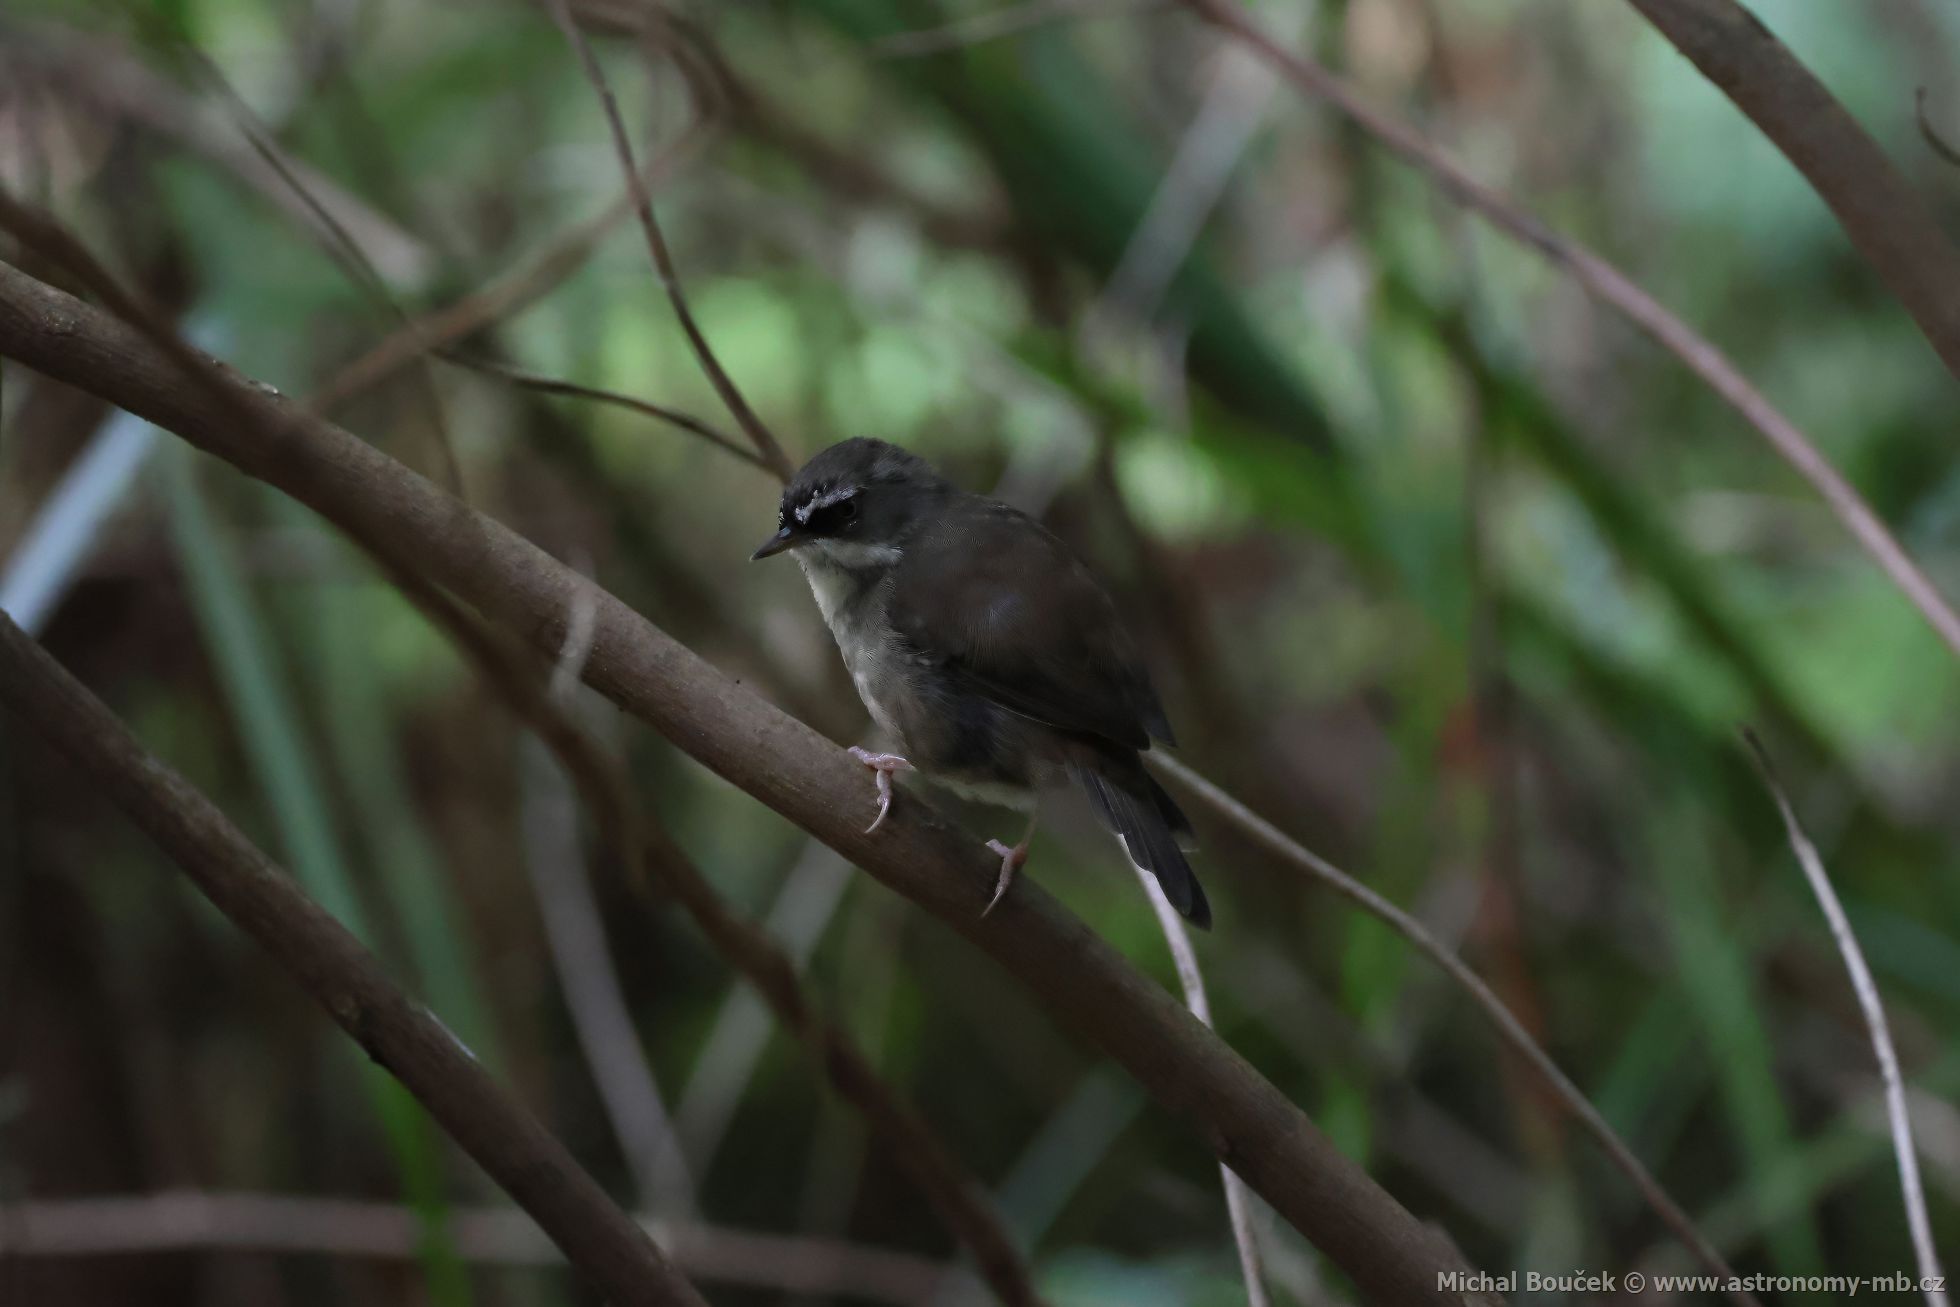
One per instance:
(1873, 1009)
(1000, 23)
(554, 261)
(1276, 842)
(190, 1220)
(575, 934)
(364, 276)
(722, 1070)
(1615, 289)
(1237, 93)
(350, 256)
(1934, 141)
(663, 258)
(785, 130)
(1238, 1200)
(102, 75)
(1447, 1152)
(555, 386)
(333, 234)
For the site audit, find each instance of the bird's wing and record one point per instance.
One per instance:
(1004, 608)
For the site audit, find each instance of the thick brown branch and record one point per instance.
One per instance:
(645, 849)
(1075, 974)
(655, 862)
(1874, 203)
(403, 1037)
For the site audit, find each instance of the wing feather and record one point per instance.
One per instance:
(1004, 608)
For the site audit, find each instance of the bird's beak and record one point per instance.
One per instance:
(775, 544)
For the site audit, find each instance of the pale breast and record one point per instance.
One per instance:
(853, 606)
(833, 588)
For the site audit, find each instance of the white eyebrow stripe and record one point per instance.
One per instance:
(837, 496)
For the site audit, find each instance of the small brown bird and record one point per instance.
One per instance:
(985, 648)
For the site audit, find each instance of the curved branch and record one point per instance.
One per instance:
(1874, 203)
(1872, 1008)
(1934, 141)
(516, 289)
(574, 390)
(1613, 287)
(644, 846)
(102, 74)
(1074, 973)
(745, 416)
(1275, 841)
(343, 977)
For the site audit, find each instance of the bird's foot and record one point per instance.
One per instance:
(1010, 862)
(882, 765)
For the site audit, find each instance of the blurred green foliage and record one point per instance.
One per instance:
(1445, 570)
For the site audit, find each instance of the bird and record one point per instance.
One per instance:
(986, 649)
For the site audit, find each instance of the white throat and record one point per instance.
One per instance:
(837, 568)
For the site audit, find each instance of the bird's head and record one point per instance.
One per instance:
(855, 504)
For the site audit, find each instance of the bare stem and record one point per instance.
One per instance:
(1614, 288)
(554, 386)
(1001, 23)
(575, 934)
(1935, 142)
(663, 258)
(1873, 1009)
(352, 259)
(1275, 841)
(556, 260)
(1238, 1200)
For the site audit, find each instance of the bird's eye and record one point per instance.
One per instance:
(847, 511)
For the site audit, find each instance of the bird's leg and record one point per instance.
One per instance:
(1010, 863)
(882, 765)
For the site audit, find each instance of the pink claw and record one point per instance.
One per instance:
(1010, 862)
(882, 765)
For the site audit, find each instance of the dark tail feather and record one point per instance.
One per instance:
(1173, 815)
(1137, 809)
